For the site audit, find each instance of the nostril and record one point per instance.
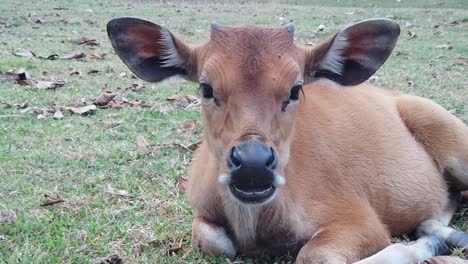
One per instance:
(233, 161)
(272, 160)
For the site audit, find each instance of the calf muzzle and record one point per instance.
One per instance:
(252, 166)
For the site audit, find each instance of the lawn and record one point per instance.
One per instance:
(112, 175)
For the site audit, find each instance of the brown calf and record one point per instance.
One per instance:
(299, 156)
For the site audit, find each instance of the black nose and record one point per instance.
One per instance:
(252, 166)
(252, 155)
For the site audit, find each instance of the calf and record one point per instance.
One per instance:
(300, 157)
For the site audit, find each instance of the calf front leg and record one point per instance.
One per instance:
(212, 239)
(353, 236)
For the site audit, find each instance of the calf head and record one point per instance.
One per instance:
(251, 80)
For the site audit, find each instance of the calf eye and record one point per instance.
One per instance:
(206, 90)
(295, 92)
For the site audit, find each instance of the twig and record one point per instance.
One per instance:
(12, 116)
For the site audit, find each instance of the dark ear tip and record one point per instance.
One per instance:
(120, 24)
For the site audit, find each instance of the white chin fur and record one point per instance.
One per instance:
(224, 179)
(278, 180)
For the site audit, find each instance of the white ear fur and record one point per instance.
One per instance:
(334, 60)
(171, 56)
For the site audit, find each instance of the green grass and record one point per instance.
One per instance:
(79, 157)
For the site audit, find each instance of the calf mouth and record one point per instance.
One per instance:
(252, 195)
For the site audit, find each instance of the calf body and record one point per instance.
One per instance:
(299, 156)
(356, 176)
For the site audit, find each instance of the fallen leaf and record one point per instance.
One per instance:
(402, 53)
(183, 183)
(320, 28)
(58, 114)
(136, 87)
(113, 123)
(408, 24)
(98, 55)
(111, 259)
(75, 55)
(121, 193)
(39, 21)
(22, 77)
(117, 104)
(445, 46)
(49, 200)
(52, 57)
(453, 111)
(104, 99)
(47, 84)
(85, 110)
(25, 54)
(142, 145)
(9, 77)
(93, 72)
(173, 250)
(85, 41)
(411, 35)
(183, 100)
(190, 127)
(73, 71)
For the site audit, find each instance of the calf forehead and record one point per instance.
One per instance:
(251, 48)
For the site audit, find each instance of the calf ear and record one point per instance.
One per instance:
(149, 50)
(355, 53)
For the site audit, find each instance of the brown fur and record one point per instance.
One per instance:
(359, 164)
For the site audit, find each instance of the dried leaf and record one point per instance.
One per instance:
(85, 110)
(39, 21)
(52, 57)
(136, 87)
(142, 145)
(86, 41)
(49, 200)
(445, 46)
(25, 54)
(117, 104)
(411, 35)
(9, 77)
(58, 114)
(98, 55)
(104, 99)
(183, 100)
(173, 250)
(183, 183)
(47, 84)
(111, 259)
(121, 193)
(112, 123)
(73, 71)
(22, 77)
(93, 72)
(190, 127)
(320, 28)
(402, 53)
(75, 55)
(408, 24)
